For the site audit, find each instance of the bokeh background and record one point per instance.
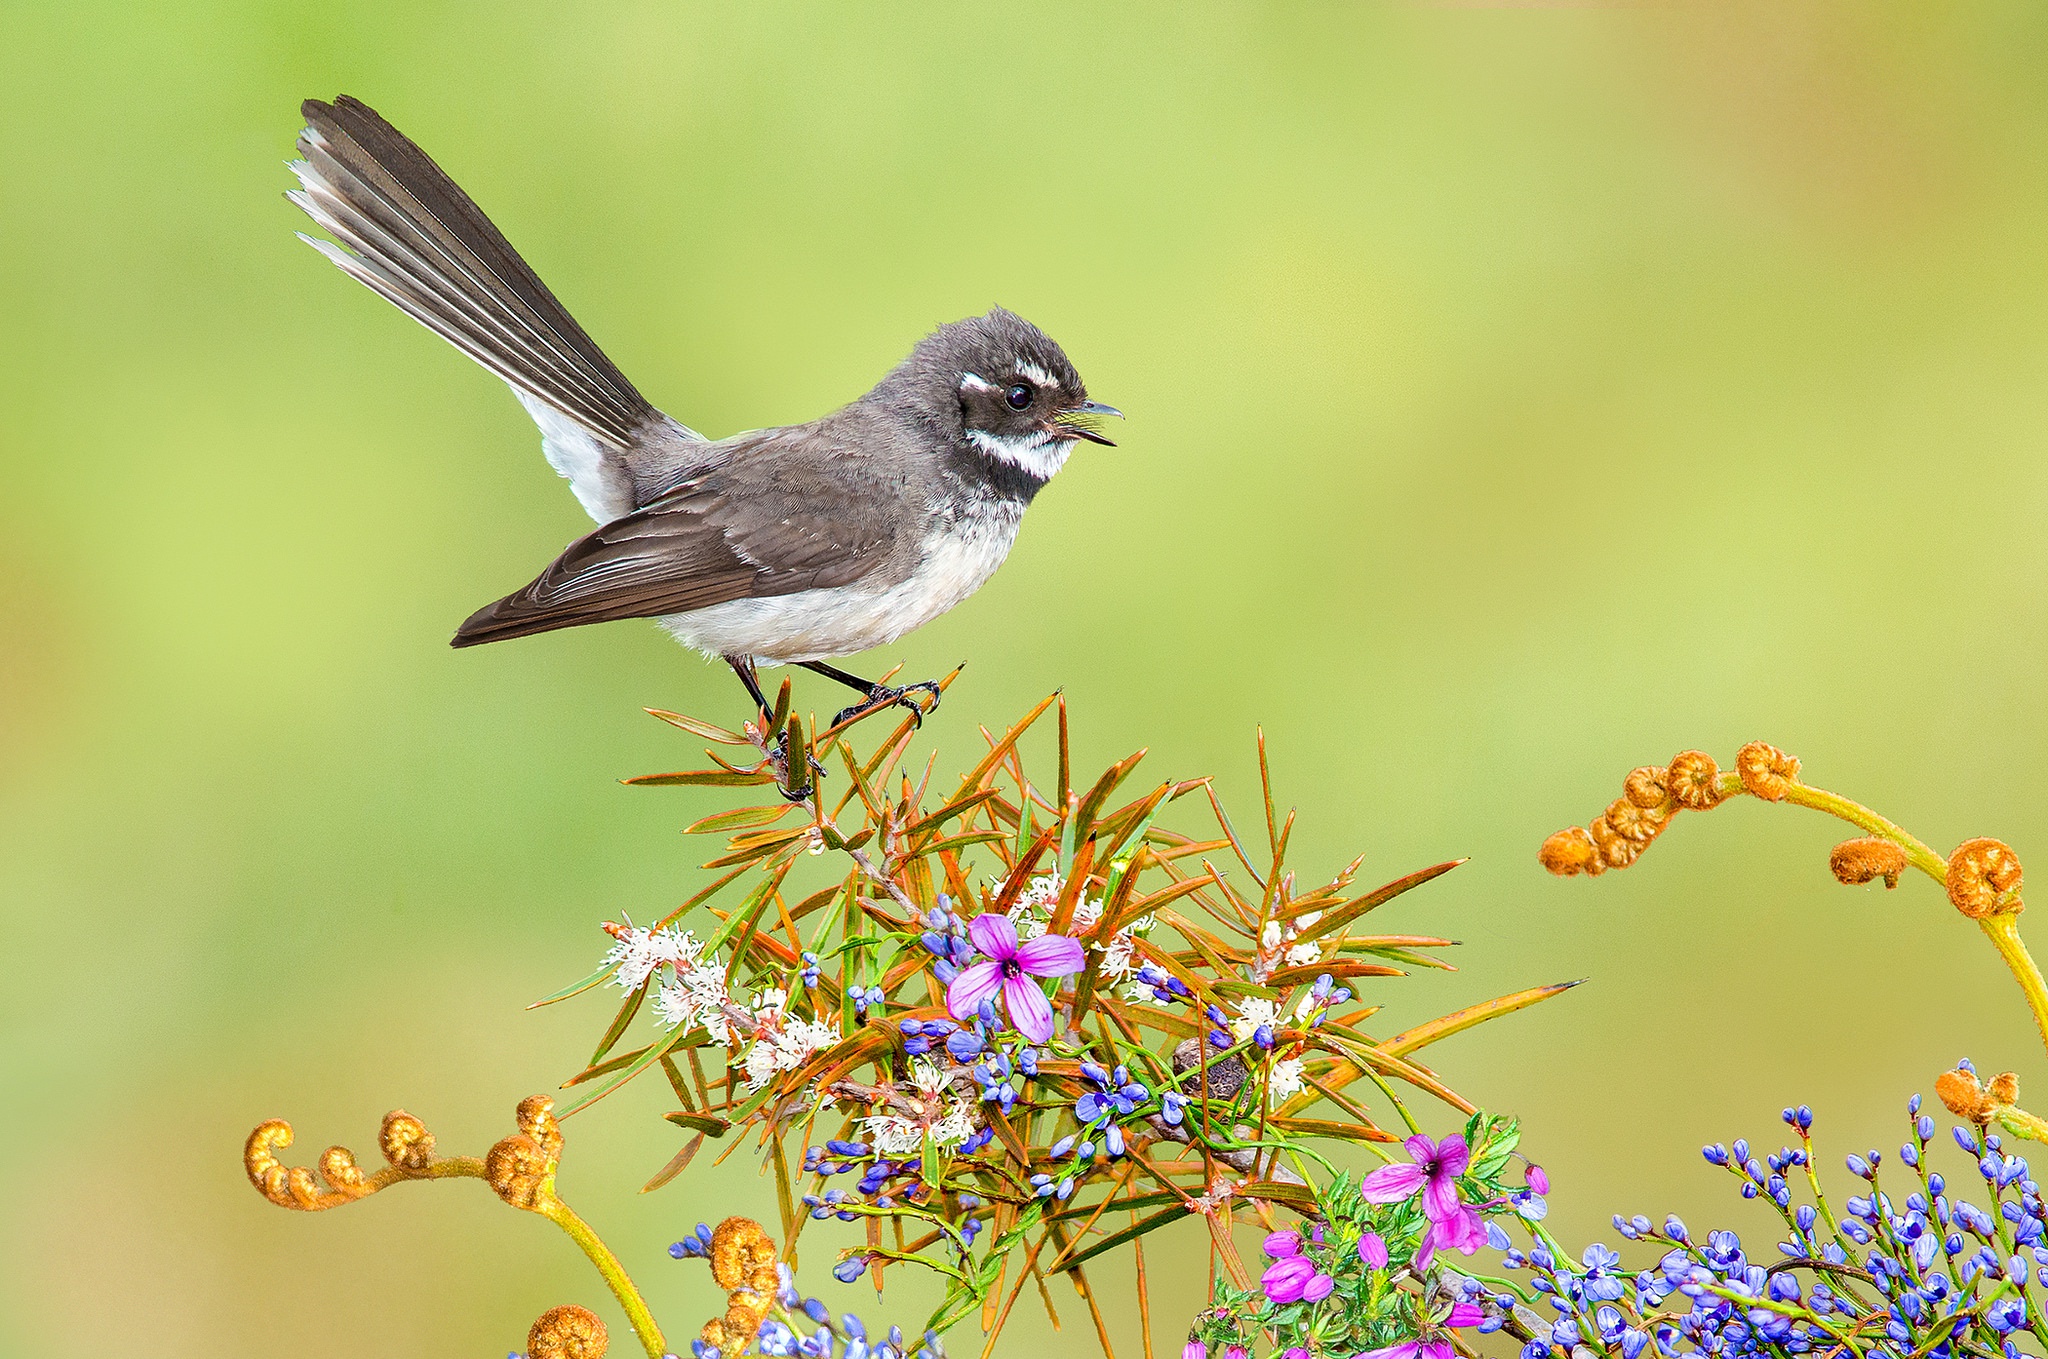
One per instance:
(1517, 395)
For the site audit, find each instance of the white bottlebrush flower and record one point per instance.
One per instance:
(1269, 937)
(928, 1077)
(763, 1061)
(1284, 1079)
(956, 1127)
(893, 1135)
(636, 952)
(1251, 1014)
(812, 1035)
(706, 985)
(1301, 955)
(770, 1000)
(674, 1005)
(1304, 922)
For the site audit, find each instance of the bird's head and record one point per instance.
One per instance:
(1019, 401)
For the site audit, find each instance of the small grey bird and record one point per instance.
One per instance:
(780, 546)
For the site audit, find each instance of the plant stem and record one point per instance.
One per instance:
(563, 1216)
(2002, 928)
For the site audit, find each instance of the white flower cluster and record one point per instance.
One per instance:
(696, 996)
(785, 1047)
(896, 1135)
(636, 952)
(1252, 1014)
(1284, 1079)
(1298, 955)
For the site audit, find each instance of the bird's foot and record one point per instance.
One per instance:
(813, 771)
(885, 696)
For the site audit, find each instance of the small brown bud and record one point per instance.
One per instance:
(1641, 824)
(738, 1248)
(1866, 859)
(1766, 771)
(567, 1333)
(1959, 1090)
(744, 1311)
(405, 1141)
(536, 1118)
(1646, 788)
(1984, 879)
(515, 1168)
(1965, 1098)
(1569, 852)
(1616, 849)
(1693, 780)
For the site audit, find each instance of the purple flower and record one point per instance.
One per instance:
(1318, 1287)
(1194, 1349)
(1538, 1182)
(1010, 968)
(1434, 1171)
(1285, 1279)
(1462, 1314)
(1373, 1250)
(1237, 1352)
(1280, 1245)
(1294, 1352)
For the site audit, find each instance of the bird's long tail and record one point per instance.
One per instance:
(409, 232)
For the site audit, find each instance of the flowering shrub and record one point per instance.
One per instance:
(1005, 1027)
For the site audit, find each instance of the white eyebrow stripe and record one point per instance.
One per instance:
(1038, 375)
(974, 382)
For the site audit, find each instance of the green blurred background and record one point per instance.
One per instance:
(1517, 396)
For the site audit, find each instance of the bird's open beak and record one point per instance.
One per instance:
(1077, 423)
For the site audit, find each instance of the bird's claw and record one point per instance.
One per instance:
(815, 769)
(885, 696)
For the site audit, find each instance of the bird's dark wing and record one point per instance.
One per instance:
(788, 511)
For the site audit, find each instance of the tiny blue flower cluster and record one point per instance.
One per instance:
(1929, 1275)
(806, 1327)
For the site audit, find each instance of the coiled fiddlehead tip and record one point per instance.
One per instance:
(1866, 859)
(1984, 878)
(567, 1333)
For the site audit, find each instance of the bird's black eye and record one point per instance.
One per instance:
(1019, 396)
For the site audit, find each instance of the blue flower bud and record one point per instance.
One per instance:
(849, 1269)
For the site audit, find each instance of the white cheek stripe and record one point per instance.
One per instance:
(975, 382)
(1037, 455)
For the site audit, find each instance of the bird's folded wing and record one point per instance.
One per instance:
(701, 545)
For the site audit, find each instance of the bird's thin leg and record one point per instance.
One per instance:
(878, 695)
(743, 666)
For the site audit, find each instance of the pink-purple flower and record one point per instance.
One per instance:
(1295, 1278)
(1434, 1171)
(1372, 1249)
(1010, 969)
(1462, 1314)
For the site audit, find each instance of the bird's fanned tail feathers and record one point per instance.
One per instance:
(407, 231)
